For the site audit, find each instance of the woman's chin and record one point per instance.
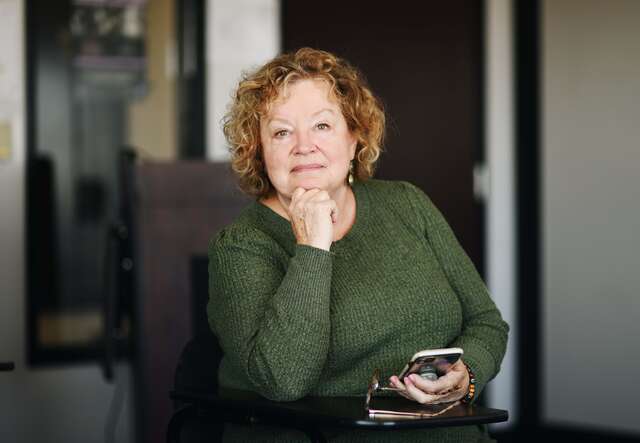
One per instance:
(310, 183)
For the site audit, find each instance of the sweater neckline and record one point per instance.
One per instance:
(283, 226)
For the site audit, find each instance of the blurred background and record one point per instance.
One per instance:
(519, 119)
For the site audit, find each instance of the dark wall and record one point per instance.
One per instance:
(424, 59)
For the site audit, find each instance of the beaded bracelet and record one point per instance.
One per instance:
(471, 392)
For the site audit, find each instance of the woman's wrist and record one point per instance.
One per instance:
(471, 389)
(318, 244)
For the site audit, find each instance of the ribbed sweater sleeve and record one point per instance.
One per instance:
(484, 333)
(276, 322)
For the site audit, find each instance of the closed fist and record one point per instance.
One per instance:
(313, 213)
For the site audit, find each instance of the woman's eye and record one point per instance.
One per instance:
(281, 133)
(322, 126)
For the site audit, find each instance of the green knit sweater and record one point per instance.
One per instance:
(295, 320)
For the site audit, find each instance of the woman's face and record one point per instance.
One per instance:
(305, 140)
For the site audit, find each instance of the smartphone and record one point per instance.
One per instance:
(431, 363)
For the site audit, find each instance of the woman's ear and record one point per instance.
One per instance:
(353, 147)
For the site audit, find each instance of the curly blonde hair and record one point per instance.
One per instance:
(258, 90)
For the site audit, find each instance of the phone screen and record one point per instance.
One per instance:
(432, 366)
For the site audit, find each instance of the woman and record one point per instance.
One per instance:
(330, 274)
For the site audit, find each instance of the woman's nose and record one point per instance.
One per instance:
(304, 143)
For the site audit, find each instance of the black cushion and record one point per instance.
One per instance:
(197, 368)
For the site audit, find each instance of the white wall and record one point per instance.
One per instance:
(241, 35)
(45, 405)
(500, 203)
(591, 212)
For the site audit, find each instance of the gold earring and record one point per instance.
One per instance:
(350, 177)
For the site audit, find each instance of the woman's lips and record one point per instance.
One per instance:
(304, 168)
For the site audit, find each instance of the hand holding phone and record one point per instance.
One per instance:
(433, 376)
